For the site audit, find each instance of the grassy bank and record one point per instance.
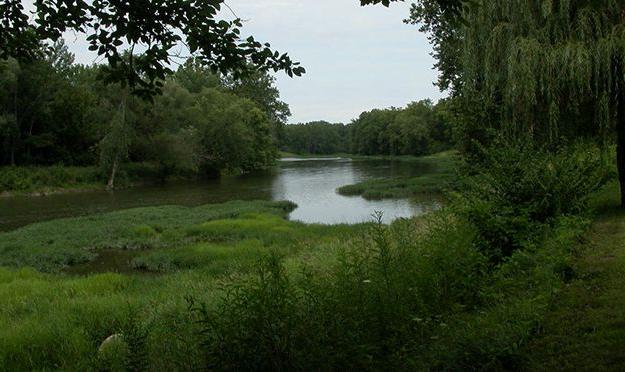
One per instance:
(444, 166)
(45, 180)
(67, 285)
(364, 286)
(57, 178)
(235, 286)
(584, 328)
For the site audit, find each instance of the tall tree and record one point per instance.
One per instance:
(543, 70)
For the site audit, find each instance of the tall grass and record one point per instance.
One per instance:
(238, 287)
(28, 179)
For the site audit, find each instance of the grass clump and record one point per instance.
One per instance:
(54, 245)
(211, 258)
(441, 178)
(31, 179)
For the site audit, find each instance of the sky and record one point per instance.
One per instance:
(357, 58)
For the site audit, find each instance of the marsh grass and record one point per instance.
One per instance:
(31, 179)
(56, 314)
(54, 245)
(441, 178)
(241, 288)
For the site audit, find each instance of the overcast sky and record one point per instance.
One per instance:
(357, 58)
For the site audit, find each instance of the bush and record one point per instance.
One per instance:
(27, 179)
(381, 302)
(518, 190)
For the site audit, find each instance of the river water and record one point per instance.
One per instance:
(310, 183)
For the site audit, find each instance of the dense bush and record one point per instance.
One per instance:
(31, 178)
(383, 299)
(519, 189)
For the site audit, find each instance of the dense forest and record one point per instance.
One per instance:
(421, 128)
(54, 111)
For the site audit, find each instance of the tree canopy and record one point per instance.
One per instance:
(150, 31)
(544, 71)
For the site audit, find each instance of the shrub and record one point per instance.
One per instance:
(519, 189)
(380, 302)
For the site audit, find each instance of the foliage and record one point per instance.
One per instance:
(437, 181)
(233, 134)
(26, 179)
(542, 71)
(520, 188)
(115, 29)
(419, 129)
(76, 120)
(366, 311)
(316, 138)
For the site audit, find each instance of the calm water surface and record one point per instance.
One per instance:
(310, 183)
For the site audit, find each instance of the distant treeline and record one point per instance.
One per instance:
(420, 128)
(54, 111)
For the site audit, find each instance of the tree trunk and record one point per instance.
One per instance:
(122, 107)
(111, 183)
(620, 157)
(620, 141)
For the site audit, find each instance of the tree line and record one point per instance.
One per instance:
(420, 128)
(55, 111)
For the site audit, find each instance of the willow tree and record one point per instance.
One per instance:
(543, 69)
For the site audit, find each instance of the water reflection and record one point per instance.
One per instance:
(311, 184)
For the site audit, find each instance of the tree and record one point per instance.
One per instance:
(234, 134)
(114, 147)
(9, 126)
(260, 88)
(194, 76)
(155, 28)
(545, 71)
(317, 137)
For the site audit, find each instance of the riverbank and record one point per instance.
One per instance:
(69, 284)
(56, 179)
(584, 329)
(441, 177)
(48, 180)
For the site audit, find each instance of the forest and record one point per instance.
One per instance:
(421, 128)
(175, 134)
(516, 261)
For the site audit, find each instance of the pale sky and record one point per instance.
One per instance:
(357, 58)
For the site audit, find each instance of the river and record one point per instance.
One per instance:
(310, 183)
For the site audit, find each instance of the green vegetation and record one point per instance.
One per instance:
(55, 245)
(440, 179)
(583, 327)
(175, 133)
(46, 179)
(420, 128)
(546, 72)
(316, 138)
(506, 277)
(59, 321)
(266, 293)
(112, 31)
